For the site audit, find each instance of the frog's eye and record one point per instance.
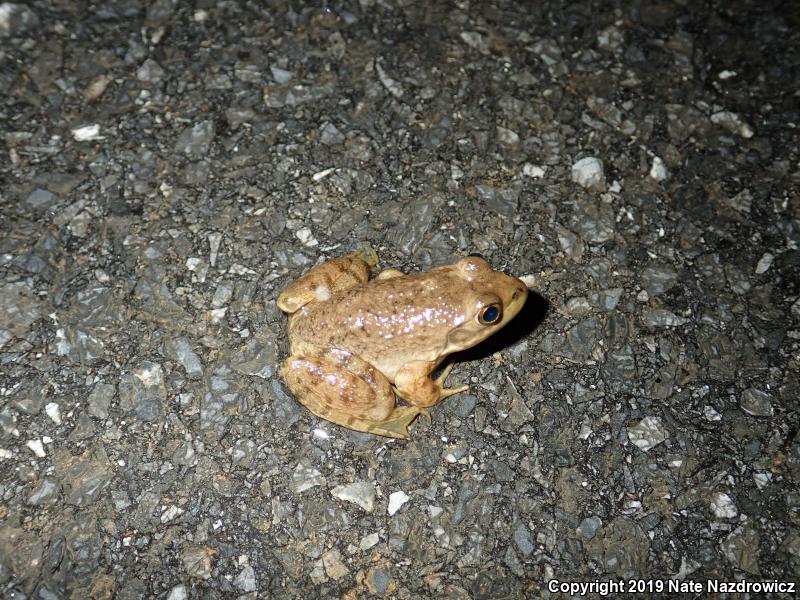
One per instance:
(490, 314)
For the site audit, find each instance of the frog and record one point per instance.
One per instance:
(358, 344)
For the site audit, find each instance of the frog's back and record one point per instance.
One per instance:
(404, 318)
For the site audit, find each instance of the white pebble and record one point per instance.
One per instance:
(214, 240)
(193, 263)
(361, 493)
(320, 434)
(533, 171)
(588, 173)
(281, 76)
(396, 500)
(53, 411)
(722, 506)
(733, 123)
(368, 541)
(171, 513)
(711, 414)
(394, 88)
(658, 171)
(764, 263)
(218, 314)
(320, 175)
(306, 237)
(762, 479)
(87, 133)
(648, 433)
(237, 269)
(37, 448)
(177, 593)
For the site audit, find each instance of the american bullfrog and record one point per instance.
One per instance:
(357, 344)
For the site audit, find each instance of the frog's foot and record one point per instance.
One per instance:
(414, 384)
(447, 392)
(367, 254)
(396, 426)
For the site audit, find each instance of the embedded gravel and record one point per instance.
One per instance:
(168, 167)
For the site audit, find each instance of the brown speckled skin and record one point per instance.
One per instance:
(353, 339)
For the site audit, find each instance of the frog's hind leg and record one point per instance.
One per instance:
(342, 388)
(326, 279)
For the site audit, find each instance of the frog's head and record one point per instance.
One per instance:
(491, 300)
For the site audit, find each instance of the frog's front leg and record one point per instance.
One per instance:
(414, 384)
(324, 280)
(343, 388)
